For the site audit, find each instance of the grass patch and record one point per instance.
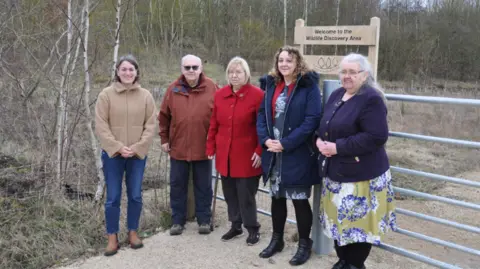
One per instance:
(38, 232)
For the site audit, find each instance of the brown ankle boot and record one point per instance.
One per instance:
(113, 245)
(135, 242)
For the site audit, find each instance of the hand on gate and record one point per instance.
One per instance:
(257, 161)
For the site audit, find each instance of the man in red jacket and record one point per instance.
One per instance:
(184, 120)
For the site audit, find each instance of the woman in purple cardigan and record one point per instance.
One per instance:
(357, 205)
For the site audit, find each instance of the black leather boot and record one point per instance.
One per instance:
(339, 265)
(349, 266)
(303, 252)
(276, 245)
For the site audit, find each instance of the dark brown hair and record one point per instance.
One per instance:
(128, 58)
(301, 67)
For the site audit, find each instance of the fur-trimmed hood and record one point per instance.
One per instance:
(305, 81)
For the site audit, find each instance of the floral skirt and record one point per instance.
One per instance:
(358, 212)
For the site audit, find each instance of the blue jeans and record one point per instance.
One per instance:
(202, 181)
(113, 170)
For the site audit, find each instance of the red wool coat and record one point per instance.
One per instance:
(233, 134)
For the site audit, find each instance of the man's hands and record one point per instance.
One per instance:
(166, 147)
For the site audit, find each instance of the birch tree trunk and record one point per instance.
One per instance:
(284, 22)
(61, 111)
(86, 102)
(117, 38)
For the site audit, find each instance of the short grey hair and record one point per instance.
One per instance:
(365, 65)
(191, 56)
(238, 61)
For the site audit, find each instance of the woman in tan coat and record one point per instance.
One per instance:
(124, 124)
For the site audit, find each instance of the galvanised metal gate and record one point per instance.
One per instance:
(323, 245)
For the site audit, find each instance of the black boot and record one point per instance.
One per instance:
(253, 236)
(303, 252)
(276, 245)
(349, 266)
(339, 265)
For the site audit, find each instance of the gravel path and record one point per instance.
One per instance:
(192, 250)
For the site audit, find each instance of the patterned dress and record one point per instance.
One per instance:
(358, 212)
(277, 190)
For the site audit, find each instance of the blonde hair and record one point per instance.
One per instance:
(238, 61)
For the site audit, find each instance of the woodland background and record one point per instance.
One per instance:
(56, 55)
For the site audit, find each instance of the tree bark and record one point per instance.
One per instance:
(117, 38)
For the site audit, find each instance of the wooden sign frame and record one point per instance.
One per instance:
(365, 35)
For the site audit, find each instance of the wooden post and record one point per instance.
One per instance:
(298, 25)
(373, 50)
(190, 197)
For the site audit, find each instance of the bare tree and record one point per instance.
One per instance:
(284, 22)
(117, 37)
(86, 103)
(61, 107)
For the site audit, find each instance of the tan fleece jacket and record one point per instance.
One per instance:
(125, 116)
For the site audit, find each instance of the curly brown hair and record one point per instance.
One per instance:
(302, 67)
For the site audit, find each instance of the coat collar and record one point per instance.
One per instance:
(182, 87)
(119, 87)
(242, 92)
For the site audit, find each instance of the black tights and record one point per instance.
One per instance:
(303, 212)
(355, 254)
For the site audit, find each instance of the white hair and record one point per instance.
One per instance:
(192, 57)
(239, 61)
(365, 65)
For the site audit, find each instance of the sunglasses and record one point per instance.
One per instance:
(188, 67)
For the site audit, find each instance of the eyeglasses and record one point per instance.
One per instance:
(350, 72)
(193, 67)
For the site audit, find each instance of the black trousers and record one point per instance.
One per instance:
(303, 212)
(355, 254)
(241, 203)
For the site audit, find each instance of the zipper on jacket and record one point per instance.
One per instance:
(126, 129)
(281, 135)
(268, 130)
(286, 109)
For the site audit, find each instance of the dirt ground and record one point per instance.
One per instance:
(192, 250)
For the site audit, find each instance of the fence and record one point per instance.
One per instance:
(323, 245)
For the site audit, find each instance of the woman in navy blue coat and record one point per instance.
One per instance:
(357, 204)
(287, 120)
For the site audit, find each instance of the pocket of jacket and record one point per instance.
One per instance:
(349, 166)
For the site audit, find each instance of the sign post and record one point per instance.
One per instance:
(364, 35)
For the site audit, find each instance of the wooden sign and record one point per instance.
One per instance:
(324, 64)
(335, 35)
(363, 35)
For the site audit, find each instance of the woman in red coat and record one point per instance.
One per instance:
(232, 139)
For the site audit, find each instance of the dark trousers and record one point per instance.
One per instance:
(202, 181)
(113, 170)
(355, 254)
(240, 197)
(303, 213)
